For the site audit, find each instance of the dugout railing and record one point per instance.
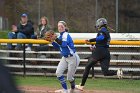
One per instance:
(128, 65)
(24, 62)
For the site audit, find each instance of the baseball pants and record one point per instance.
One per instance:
(70, 63)
(102, 55)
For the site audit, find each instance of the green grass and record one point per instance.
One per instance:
(114, 84)
(37, 81)
(132, 86)
(3, 34)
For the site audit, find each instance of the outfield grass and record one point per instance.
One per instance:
(3, 34)
(132, 86)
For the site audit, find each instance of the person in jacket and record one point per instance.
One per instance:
(43, 27)
(24, 30)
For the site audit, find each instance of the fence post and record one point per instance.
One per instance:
(24, 61)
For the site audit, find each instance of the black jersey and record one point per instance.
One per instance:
(102, 39)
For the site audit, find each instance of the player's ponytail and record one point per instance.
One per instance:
(107, 27)
(110, 29)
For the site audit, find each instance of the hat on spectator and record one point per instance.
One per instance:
(24, 15)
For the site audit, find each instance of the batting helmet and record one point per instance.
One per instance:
(100, 22)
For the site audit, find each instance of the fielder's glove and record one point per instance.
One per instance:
(50, 36)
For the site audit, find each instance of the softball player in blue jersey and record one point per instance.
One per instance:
(70, 60)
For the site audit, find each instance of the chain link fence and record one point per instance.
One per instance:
(122, 15)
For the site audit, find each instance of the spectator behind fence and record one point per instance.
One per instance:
(43, 27)
(24, 30)
(12, 35)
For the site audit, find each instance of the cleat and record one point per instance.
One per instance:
(79, 87)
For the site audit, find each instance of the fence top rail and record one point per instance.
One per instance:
(76, 41)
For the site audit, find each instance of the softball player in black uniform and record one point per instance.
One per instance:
(100, 52)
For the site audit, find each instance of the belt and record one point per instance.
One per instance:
(70, 55)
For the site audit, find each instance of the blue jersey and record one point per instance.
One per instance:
(102, 39)
(67, 46)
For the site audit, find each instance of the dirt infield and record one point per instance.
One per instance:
(38, 89)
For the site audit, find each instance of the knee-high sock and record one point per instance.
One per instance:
(63, 82)
(72, 84)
